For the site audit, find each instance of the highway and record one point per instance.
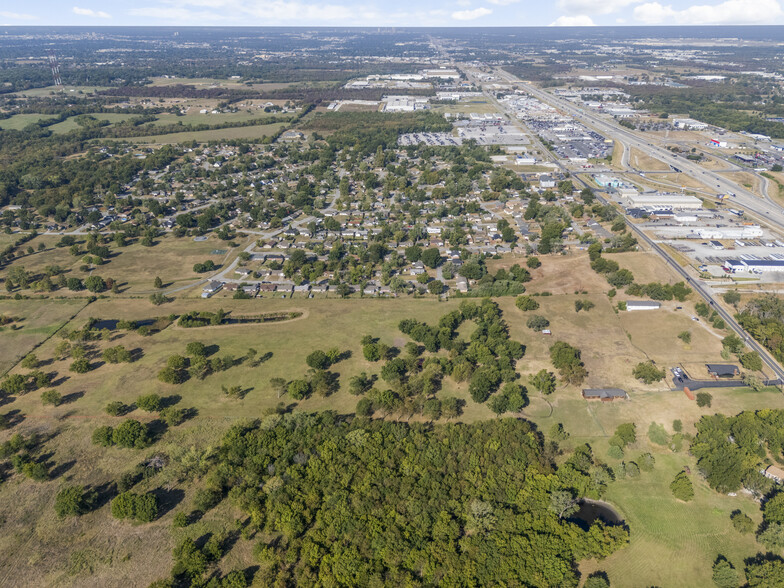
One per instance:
(765, 209)
(771, 214)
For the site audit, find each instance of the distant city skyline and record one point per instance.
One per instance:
(403, 13)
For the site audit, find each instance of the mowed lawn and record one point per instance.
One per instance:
(251, 132)
(19, 121)
(36, 321)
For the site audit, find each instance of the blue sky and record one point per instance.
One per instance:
(392, 13)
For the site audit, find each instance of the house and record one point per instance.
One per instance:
(775, 473)
(417, 268)
(211, 288)
(642, 305)
(719, 370)
(462, 284)
(546, 181)
(604, 394)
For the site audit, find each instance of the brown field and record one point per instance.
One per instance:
(646, 163)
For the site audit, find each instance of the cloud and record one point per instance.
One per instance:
(91, 13)
(503, 2)
(582, 7)
(580, 20)
(728, 12)
(241, 11)
(17, 15)
(471, 14)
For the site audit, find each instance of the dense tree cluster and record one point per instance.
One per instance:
(320, 483)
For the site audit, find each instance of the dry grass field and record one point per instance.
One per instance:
(646, 163)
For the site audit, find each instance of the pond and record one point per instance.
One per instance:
(591, 510)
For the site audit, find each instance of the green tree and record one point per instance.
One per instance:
(131, 433)
(648, 373)
(724, 574)
(682, 487)
(149, 402)
(704, 399)
(299, 389)
(51, 398)
(751, 361)
(526, 303)
(73, 501)
(742, 522)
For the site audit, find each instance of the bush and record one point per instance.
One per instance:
(80, 366)
(139, 507)
(103, 436)
(196, 349)
(172, 416)
(116, 408)
(51, 397)
(658, 435)
(206, 499)
(299, 389)
(615, 452)
(751, 361)
(526, 303)
(180, 520)
(73, 501)
(742, 522)
(131, 433)
(533, 262)
(537, 323)
(682, 487)
(149, 402)
(318, 360)
(704, 399)
(364, 407)
(648, 373)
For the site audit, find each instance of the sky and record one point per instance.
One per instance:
(390, 13)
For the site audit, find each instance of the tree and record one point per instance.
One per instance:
(597, 580)
(278, 385)
(558, 433)
(648, 373)
(724, 574)
(318, 360)
(51, 397)
(299, 389)
(751, 361)
(431, 257)
(682, 488)
(149, 402)
(685, 336)
(657, 434)
(742, 522)
(677, 425)
(731, 297)
(563, 504)
(626, 433)
(526, 303)
(732, 343)
(116, 408)
(704, 399)
(772, 537)
(172, 416)
(533, 262)
(95, 284)
(30, 361)
(73, 501)
(139, 507)
(436, 287)
(80, 366)
(364, 407)
(157, 283)
(537, 323)
(131, 433)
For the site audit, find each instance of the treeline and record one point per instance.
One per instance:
(763, 319)
(462, 508)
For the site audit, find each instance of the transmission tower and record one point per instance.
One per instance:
(58, 82)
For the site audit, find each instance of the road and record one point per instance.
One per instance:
(765, 209)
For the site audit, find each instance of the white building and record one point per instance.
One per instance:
(665, 201)
(689, 124)
(749, 232)
(642, 305)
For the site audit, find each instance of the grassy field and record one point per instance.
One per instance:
(36, 321)
(102, 551)
(252, 132)
(196, 118)
(134, 266)
(19, 121)
(646, 163)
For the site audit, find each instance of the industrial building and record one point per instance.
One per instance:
(755, 266)
(746, 232)
(689, 124)
(660, 201)
(606, 181)
(642, 305)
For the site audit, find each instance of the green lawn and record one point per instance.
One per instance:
(252, 132)
(19, 121)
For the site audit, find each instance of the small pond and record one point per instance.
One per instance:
(591, 510)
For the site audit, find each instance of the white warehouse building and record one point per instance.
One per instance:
(664, 201)
(749, 232)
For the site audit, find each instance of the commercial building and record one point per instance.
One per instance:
(755, 266)
(689, 124)
(606, 181)
(642, 305)
(747, 232)
(660, 201)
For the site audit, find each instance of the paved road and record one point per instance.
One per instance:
(681, 383)
(765, 209)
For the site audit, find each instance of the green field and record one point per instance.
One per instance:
(252, 132)
(19, 121)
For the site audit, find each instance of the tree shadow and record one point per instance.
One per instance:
(103, 494)
(210, 350)
(72, 397)
(61, 469)
(168, 499)
(170, 400)
(12, 418)
(59, 381)
(136, 354)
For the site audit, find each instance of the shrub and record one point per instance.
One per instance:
(103, 436)
(131, 433)
(51, 397)
(73, 501)
(299, 389)
(647, 372)
(80, 366)
(658, 435)
(172, 416)
(615, 452)
(704, 399)
(526, 303)
(364, 407)
(139, 507)
(742, 522)
(149, 402)
(537, 323)
(318, 360)
(116, 408)
(682, 487)
(206, 498)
